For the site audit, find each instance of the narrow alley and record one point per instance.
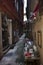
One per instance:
(21, 32)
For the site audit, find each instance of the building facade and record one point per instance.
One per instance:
(35, 9)
(38, 26)
(11, 18)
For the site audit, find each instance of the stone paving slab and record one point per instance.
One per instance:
(12, 55)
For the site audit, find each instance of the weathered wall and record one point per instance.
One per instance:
(37, 27)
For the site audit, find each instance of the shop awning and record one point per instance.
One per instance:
(36, 8)
(7, 7)
(35, 11)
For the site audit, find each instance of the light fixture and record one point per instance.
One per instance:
(34, 18)
(10, 20)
